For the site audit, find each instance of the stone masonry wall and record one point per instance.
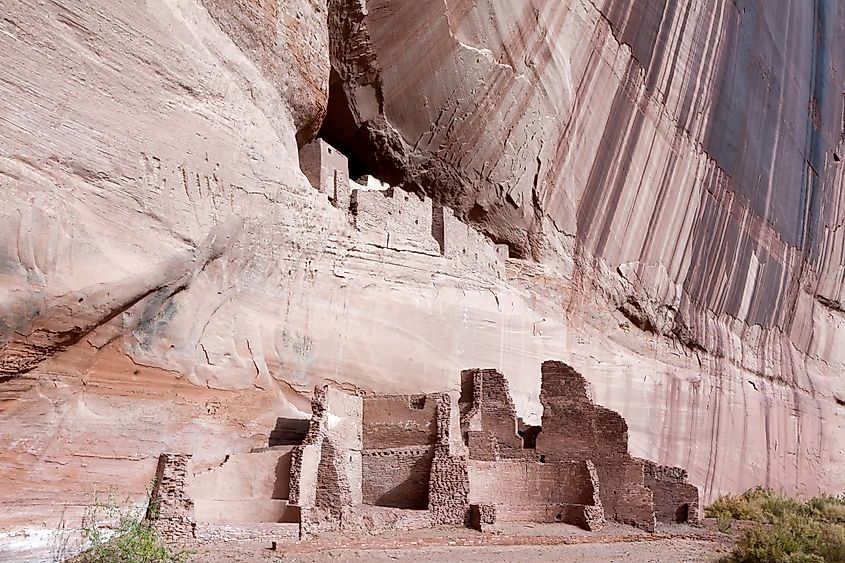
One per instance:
(212, 532)
(330, 455)
(171, 507)
(394, 219)
(334, 490)
(491, 423)
(675, 500)
(448, 496)
(530, 491)
(458, 241)
(448, 492)
(397, 478)
(574, 428)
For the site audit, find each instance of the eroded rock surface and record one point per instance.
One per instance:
(666, 176)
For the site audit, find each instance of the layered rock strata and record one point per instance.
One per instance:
(666, 178)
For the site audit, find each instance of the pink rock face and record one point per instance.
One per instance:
(667, 179)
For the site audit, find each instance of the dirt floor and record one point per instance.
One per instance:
(531, 543)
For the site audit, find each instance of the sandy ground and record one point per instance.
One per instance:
(523, 544)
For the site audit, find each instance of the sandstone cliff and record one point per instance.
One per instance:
(666, 175)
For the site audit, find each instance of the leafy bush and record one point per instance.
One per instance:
(116, 533)
(787, 530)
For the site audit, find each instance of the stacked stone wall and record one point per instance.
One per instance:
(371, 463)
(574, 428)
(213, 532)
(397, 478)
(491, 422)
(529, 491)
(675, 500)
(171, 507)
(394, 219)
(448, 489)
(448, 497)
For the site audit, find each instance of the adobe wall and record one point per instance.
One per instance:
(394, 219)
(488, 419)
(399, 420)
(327, 169)
(675, 500)
(397, 478)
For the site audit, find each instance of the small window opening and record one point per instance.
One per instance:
(417, 402)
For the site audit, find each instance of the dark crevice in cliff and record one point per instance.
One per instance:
(830, 303)
(360, 143)
(672, 324)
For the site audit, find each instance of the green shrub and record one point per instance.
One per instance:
(787, 530)
(117, 533)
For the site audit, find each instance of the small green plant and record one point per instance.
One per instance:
(787, 530)
(117, 533)
(724, 522)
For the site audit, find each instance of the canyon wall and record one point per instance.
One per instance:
(666, 175)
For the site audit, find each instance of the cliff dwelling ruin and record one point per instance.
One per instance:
(370, 463)
(389, 217)
(214, 206)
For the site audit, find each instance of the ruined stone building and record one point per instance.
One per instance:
(369, 463)
(390, 217)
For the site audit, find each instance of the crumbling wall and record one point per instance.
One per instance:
(215, 532)
(448, 493)
(171, 507)
(373, 463)
(327, 169)
(489, 421)
(448, 497)
(394, 219)
(332, 446)
(459, 241)
(675, 500)
(574, 428)
(399, 433)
